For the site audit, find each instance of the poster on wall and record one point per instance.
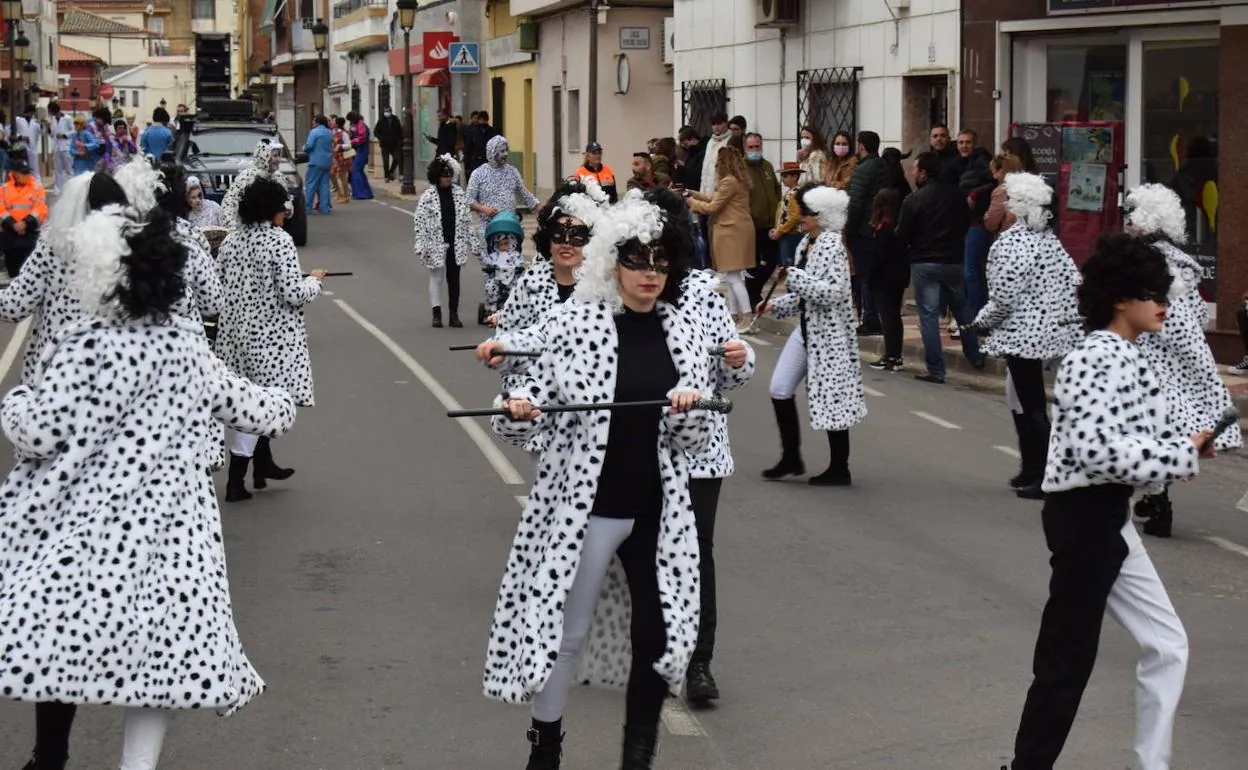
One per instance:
(427, 112)
(1045, 140)
(1083, 144)
(1107, 95)
(1087, 187)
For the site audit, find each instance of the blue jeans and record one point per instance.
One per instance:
(788, 249)
(933, 281)
(317, 183)
(974, 259)
(862, 248)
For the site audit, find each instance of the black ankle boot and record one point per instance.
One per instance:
(455, 322)
(236, 484)
(790, 440)
(547, 745)
(1160, 523)
(263, 467)
(1025, 477)
(837, 474)
(437, 318)
(700, 684)
(640, 746)
(34, 765)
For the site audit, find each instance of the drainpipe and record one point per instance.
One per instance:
(592, 121)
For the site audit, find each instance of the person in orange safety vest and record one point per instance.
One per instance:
(23, 210)
(593, 168)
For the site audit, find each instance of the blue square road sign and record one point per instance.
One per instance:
(465, 59)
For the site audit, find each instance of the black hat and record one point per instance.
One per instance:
(18, 163)
(593, 147)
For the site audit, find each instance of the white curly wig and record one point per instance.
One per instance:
(70, 209)
(830, 205)
(1155, 208)
(456, 168)
(589, 206)
(1026, 196)
(632, 217)
(142, 183)
(99, 242)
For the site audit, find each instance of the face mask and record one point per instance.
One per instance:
(841, 150)
(805, 142)
(389, 113)
(754, 156)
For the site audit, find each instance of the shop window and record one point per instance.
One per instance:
(574, 120)
(700, 99)
(204, 9)
(1086, 82)
(383, 95)
(1179, 135)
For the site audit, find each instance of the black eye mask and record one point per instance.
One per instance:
(573, 235)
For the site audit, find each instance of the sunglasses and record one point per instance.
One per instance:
(1160, 299)
(448, 175)
(572, 235)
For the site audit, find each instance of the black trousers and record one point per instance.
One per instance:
(705, 495)
(1241, 320)
(767, 254)
(452, 282)
(15, 257)
(53, 722)
(648, 632)
(1082, 528)
(1028, 377)
(888, 301)
(391, 161)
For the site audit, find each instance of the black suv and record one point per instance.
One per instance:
(216, 149)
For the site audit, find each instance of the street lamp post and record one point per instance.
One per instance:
(320, 38)
(74, 94)
(407, 20)
(12, 15)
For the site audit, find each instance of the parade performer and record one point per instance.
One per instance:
(162, 636)
(494, 186)
(820, 294)
(445, 235)
(1031, 316)
(502, 263)
(261, 333)
(1178, 354)
(204, 213)
(43, 291)
(1111, 436)
(265, 162)
(610, 512)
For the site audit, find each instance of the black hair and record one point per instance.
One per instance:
(686, 133)
(160, 115)
(719, 116)
(54, 108)
(939, 125)
(1018, 147)
(484, 115)
(173, 198)
(104, 190)
(870, 141)
(738, 120)
(102, 114)
(928, 162)
(676, 240)
(262, 200)
(154, 267)
(551, 213)
(340, 122)
(1122, 267)
(436, 167)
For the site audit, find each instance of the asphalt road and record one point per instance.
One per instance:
(886, 625)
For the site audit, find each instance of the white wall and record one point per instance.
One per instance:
(718, 39)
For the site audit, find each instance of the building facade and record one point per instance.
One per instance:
(1113, 93)
(301, 69)
(360, 78)
(848, 65)
(511, 71)
(79, 74)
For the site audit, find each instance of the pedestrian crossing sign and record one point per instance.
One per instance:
(464, 59)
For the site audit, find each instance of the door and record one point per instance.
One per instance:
(530, 136)
(498, 104)
(556, 116)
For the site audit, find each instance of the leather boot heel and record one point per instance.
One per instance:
(236, 485)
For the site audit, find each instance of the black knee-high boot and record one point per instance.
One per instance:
(1036, 455)
(837, 474)
(1159, 524)
(264, 468)
(53, 723)
(236, 484)
(790, 440)
(546, 751)
(641, 743)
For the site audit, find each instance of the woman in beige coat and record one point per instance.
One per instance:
(732, 227)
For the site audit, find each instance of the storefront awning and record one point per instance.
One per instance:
(434, 77)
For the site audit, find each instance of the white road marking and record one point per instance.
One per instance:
(870, 391)
(1008, 450)
(326, 293)
(1227, 545)
(523, 500)
(11, 350)
(936, 420)
(753, 340)
(679, 721)
(1243, 503)
(392, 206)
(506, 471)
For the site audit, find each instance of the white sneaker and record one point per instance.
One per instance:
(1241, 368)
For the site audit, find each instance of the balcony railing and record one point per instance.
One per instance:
(346, 7)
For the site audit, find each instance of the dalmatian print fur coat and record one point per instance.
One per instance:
(41, 291)
(108, 464)
(203, 284)
(261, 333)
(578, 366)
(1032, 309)
(1111, 425)
(429, 246)
(834, 371)
(1180, 356)
(700, 295)
(234, 195)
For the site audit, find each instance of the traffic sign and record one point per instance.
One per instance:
(107, 91)
(465, 59)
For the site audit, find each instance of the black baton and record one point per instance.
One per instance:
(721, 405)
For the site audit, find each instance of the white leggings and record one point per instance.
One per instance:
(244, 444)
(737, 297)
(603, 537)
(1139, 603)
(435, 286)
(144, 737)
(791, 368)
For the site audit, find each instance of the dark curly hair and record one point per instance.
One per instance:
(676, 240)
(262, 200)
(1122, 267)
(173, 198)
(551, 213)
(153, 269)
(436, 167)
(104, 190)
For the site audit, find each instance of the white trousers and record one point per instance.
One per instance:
(435, 286)
(603, 537)
(1139, 603)
(791, 368)
(144, 737)
(244, 444)
(63, 163)
(737, 297)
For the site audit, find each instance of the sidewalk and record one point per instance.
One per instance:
(384, 189)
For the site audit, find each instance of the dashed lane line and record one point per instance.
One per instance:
(870, 391)
(1008, 450)
(937, 421)
(15, 345)
(523, 500)
(506, 471)
(1228, 545)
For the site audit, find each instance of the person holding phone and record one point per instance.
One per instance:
(1111, 436)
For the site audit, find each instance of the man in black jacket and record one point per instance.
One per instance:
(976, 184)
(476, 136)
(389, 133)
(870, 175)
(933, 225)
(950, 161)
(447, 134)
(689, 169)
